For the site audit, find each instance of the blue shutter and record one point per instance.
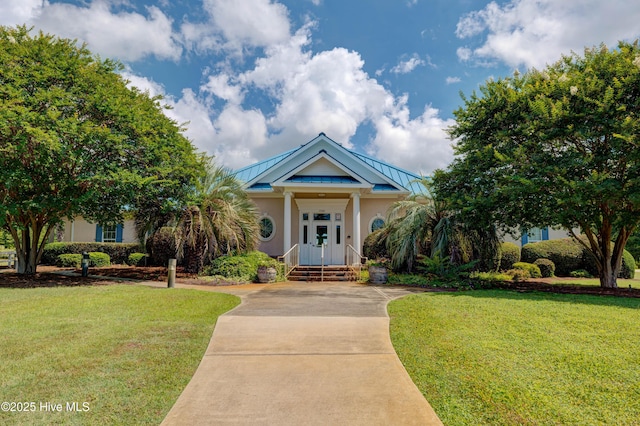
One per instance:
(525, 237)
(119, 233)
(545, 233)
(98, 233)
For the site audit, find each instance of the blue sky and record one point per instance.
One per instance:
(254, 78)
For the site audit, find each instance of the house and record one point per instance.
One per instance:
(80, 230)
(322, 199)
(535, 235)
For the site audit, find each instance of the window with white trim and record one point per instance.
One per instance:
(267, 228)
(376, 223)
(109, 234)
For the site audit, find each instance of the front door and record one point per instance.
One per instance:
(321, 239)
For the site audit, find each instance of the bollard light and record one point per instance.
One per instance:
(85, 264)
(171, 279)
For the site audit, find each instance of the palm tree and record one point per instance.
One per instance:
(220, 219)
(424, 220)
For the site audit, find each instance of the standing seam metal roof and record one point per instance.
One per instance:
(402, 177)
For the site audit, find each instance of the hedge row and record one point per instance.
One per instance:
(96, 259)
(118, 252)
(569, 255)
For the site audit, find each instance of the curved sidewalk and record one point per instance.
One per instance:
(303, 353)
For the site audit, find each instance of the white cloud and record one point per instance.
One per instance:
(535, 33)
(405, 67)
(18, 12)
(249, 23)
(420, 144)
(220, 85)
(452, 80)
(464, 53)
(110, 34)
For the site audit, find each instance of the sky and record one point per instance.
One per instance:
(251, 79)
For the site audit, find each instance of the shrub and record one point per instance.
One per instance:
(118, 252)
(69, 260)
(510, 254)
(243, 267)
(547, 267)
(136, 259)
(533, 269)
(375, 245)
(98, 259)
(161, 246)
(566, 254)
(628, 269)
(581, 273)
(518, 274)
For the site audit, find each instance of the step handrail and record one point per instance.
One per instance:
(355, 260)
(291, 259)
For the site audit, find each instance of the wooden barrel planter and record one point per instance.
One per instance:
(267, 274)
(377, 275)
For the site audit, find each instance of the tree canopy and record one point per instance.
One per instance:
(76, 141)
(555, 147)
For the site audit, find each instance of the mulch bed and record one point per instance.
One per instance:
(46, 277)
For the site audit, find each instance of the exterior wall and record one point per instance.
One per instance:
(370, 208)
(273, 208)
(554, 234)
(81, 231)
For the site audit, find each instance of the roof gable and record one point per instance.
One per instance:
(324, 161)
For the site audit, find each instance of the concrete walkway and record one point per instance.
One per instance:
(303, 354)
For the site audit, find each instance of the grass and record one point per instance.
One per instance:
(500, 357)
(125, 353)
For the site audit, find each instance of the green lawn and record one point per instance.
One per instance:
(122, 353)
(506, 358)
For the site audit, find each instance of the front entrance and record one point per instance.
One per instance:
(322, 234)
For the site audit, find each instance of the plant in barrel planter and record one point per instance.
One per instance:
(377, 271)
(267, 273)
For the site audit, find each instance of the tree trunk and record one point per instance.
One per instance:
(29, 245)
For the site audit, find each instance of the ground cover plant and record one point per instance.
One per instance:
(125, 351)
(509, 358)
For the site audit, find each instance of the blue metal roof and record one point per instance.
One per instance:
(400, 176)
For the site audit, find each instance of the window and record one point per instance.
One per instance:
(109, 234)
(376, 223)
(267, 228)
(322, 216)
(534, 235)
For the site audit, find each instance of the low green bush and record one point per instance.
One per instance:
(509, 254)
(243, 267)
(136, 259)
(414, 280)
(518, 274)
(118, 252)
(547, 267)
(69, 260)
(375, 245)
(533, 269)
(580, 273)
(565, 253)
(628, 269)
(98, 259)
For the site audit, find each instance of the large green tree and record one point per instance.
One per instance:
(76, 141)
(555, 147)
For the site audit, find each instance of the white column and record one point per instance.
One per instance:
(356, 221)
(287, 221)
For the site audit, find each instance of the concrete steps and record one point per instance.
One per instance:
(317, 273)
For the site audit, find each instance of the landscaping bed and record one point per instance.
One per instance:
(48, 276)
